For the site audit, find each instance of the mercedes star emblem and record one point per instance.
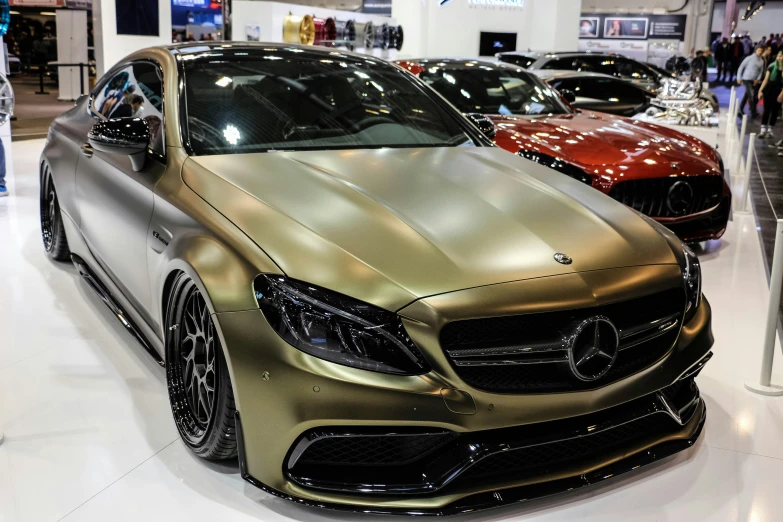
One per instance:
(592, 348)
(674, 165)
(680, 197)
(563, 259)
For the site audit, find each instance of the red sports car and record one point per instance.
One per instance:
(670, 176)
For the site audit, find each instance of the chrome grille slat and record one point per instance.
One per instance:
(649, 196)
(528, 353)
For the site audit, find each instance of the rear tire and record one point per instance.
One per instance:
(200, 391)
(52, 227)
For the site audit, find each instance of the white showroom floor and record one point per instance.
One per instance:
(90, 435)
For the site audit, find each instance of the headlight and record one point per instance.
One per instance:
(337, 328)
(691, 275)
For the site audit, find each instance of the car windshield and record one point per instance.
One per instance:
(494, 90)
(277, 99)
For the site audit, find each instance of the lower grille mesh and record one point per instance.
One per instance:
(374, 450)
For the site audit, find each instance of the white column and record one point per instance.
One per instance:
(555, 25)
(111, 47)
(72, 48)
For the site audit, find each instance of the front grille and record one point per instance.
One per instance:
(430, 461)
(374, 450)
(651, 196)
(528, 353)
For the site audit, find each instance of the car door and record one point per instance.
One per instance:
(116, 202)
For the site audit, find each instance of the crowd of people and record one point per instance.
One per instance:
(758, 67)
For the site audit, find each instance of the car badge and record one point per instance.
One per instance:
(593, 348)
(679, 198)
(674, 165)
(563, 259)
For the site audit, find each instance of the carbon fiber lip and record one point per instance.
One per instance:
(500, 497)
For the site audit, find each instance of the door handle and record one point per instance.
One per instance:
(87, 150)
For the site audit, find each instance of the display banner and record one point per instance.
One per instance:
(78, 4)
(191, 3)
(632, 27)
(381, 7)
(629, 48)
(37, 3)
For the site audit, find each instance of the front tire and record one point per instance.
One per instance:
(200, 391)
(52, 227)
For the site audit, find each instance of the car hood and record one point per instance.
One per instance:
(590, 139)
(389, 226)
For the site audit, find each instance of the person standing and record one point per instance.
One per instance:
(749, 75)
(722, 56)
(770, 90)
(3, 188)
(735, 56)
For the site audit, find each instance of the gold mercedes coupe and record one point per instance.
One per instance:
(359, 296)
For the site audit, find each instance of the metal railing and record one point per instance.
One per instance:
(42, 69)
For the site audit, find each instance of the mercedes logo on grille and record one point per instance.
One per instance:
(680, 198)
(592, 348)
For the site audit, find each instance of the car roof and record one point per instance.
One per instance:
(553, 54)
(209, 49)
(549, 74)
(461, 63)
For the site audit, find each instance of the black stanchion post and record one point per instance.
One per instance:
(41, 81)
(81, 79)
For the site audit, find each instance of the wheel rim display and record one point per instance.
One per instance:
(367, 33)
(346, 33)
(396, 36)
(299, 29)
(381, 36)
(325, 31)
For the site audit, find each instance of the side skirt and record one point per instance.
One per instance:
(111, 303)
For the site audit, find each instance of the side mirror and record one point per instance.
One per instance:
(126, 136)
(486, 125)
(568, 95)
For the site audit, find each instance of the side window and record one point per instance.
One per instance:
(571, 84)
(632, 70)
(521, 61)
(588, 64)
(612, 90)
(134, 91)
(565, 64)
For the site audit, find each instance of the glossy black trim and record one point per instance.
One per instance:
(471, 449)
(557, 164)
(503, 497)
(111, 303)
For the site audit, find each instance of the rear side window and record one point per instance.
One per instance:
(560, 63)
(611, 90)
(515, 59)
(632, 70)
(134, 91)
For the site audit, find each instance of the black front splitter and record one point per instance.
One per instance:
(500, 497)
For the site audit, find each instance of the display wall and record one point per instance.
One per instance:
(111, 47)
(454, 29)
(263, 21)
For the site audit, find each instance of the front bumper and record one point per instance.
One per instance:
(282, 393)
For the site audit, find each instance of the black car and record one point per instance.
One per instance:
(599, 92)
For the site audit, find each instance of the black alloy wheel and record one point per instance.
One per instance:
(52, 227)
(200, 392)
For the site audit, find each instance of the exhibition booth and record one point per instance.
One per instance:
(388, 257)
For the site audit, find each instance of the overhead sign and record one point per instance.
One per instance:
(78, 4)
(632, 27)
(37, 3)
